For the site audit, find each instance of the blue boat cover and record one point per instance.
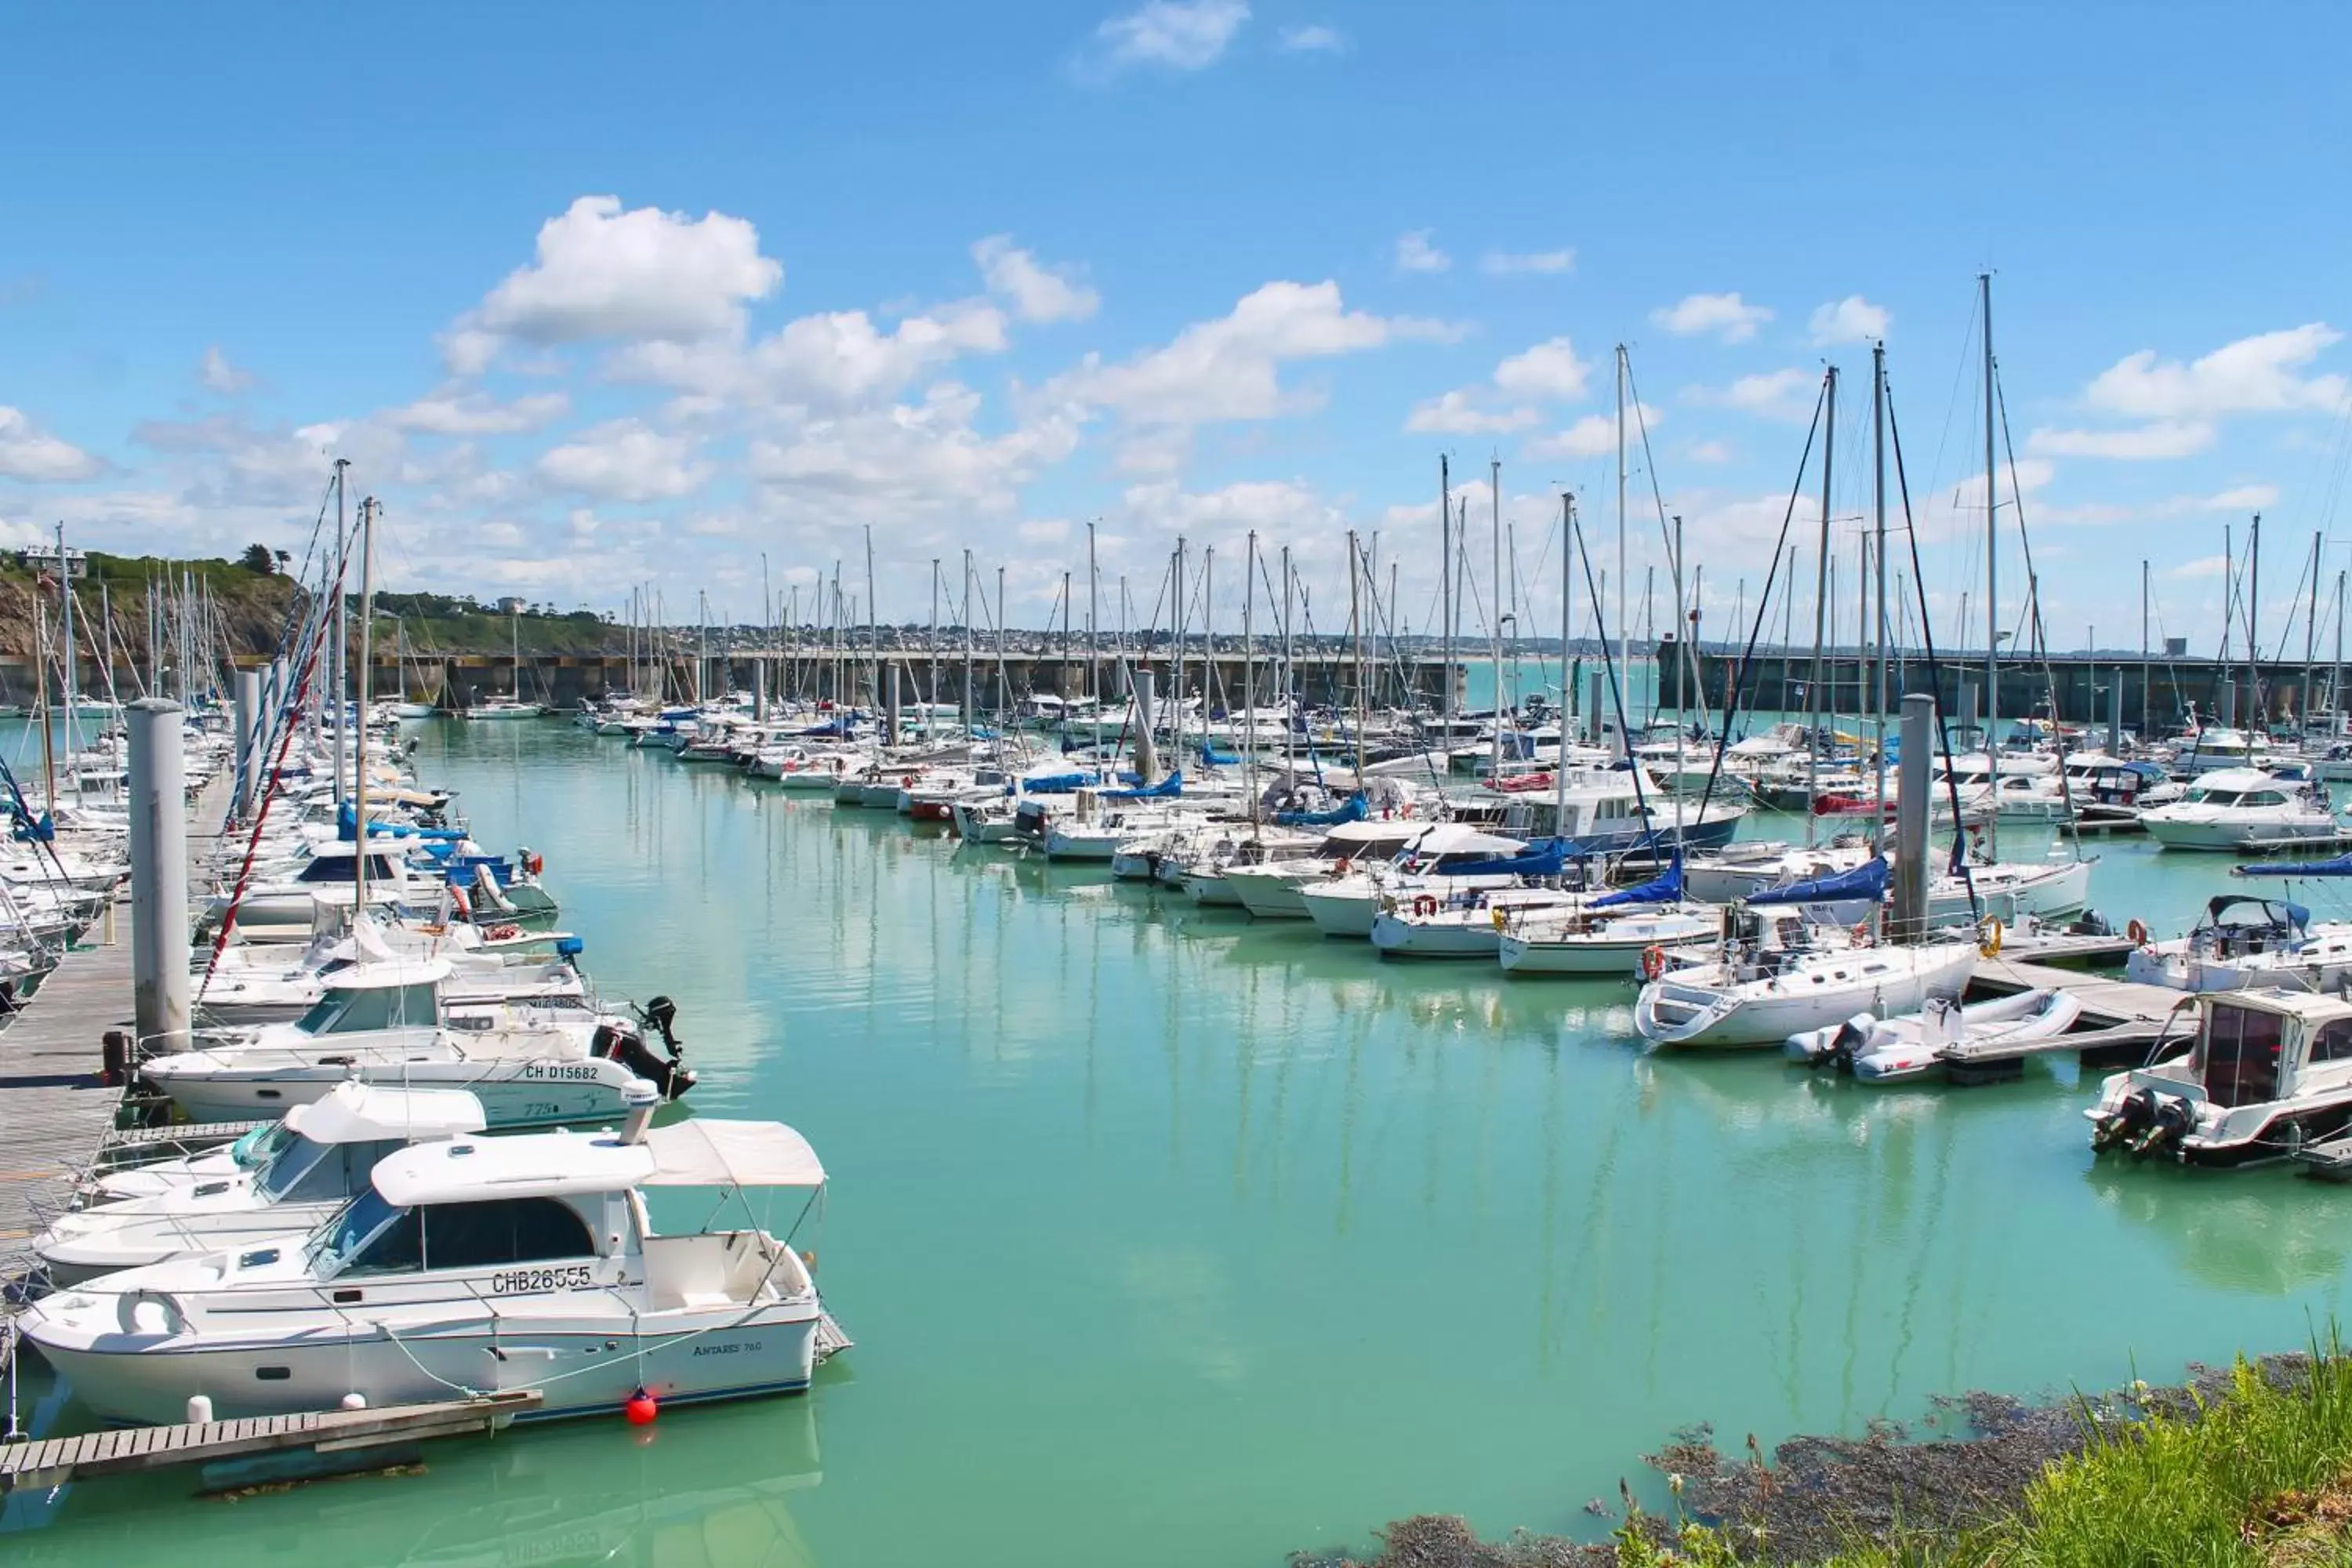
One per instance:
(2296, 915)
(2341, 866)
(1868, 880)
(1660, 889)
(1166, 789)
(1352, 809)
(1212, 757)
(1544, 857)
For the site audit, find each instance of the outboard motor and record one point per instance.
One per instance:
(2173, 1118)
(2133, 1116)
(671, 1078)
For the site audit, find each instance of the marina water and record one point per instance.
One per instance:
(1171, 1238)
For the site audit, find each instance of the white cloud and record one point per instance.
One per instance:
(29, 452)
(1774, 394)
(834, 359)
(1726, 315)
(1270, 506)
(602, 273)
(2203, 566)
(1550, 369)
(1547, 372)
(1518, 263)
(1038, 293)
(2241, 497)
(2252, 375)
(1852, 320)
(1229, 368)
(626, 460)
(1456, 414)
(451, 412)
(1416, 253)
(1707, 452)
(2162, 438)
(910, 462)
(1309, 39)
(223, 377)
(1593, 435)
(1181, 35)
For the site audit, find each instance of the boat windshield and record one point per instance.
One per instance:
(294, 1161)
(258, 1147)
(348, 1236)
(2214, 796)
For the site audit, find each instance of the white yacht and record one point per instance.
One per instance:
(471, 1264)
(2249, 943)
(2266, 1074)
(382, 1022)
(1637, 931)
(2244, 811)
(1468, 923)
(330, 1146)
(1776, 978)
(1272, 891)
(1441, 858)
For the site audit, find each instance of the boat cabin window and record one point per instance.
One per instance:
(344, 1012)
(2331, 1043)
(338, 868)
(261, 1145)
(2262, 797)
(2241, 1064)
(283, 1177)
(2214, 796)
(501, 1231)
(370, 1237)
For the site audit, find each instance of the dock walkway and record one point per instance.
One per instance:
(2122, 1020)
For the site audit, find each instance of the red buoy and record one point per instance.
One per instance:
(641, 1409)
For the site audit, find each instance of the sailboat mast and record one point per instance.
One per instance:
(1878, 632)
(1820, 606)
(359, 760)
(336, 674)
(1249, 671)
(1567, 600)
(1992, 587)
(1094, 606)
(1619, 668)
(970, 721)
(1445, 604)
(2311, 632)
(1495, 610)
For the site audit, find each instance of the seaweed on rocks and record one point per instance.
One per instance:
(1816, 1495)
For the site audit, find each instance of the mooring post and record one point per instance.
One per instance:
(1147, 754)
(249, 738)
(159, 876)
(1912, 801)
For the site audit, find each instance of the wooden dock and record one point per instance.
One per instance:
(124, 1450)
(2122, 1020)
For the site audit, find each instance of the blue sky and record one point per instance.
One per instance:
(593, 296)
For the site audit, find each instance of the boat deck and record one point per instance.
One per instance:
(53, 1104)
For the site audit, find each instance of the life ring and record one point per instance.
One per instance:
(502, 933)
(908, 782)
(1501, 917)
(1991, 946)
(1339, 868)
(1654, 961)
(2137, 931)
(1423, 905)
(1862, 934)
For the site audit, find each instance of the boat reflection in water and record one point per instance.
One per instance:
(701, 1489)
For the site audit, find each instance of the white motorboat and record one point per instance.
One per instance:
(324, 1161)
(382, 1023)
(470, 1266)
(1897, 1050)
(1441, 858)
(1778, 977)
(2264, 1074)
(2246, 811)
(504, 707)
(1274, 890)
(2249, 943)
(1621, 934)
(1465, 922)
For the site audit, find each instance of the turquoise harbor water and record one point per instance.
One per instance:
(1171, 1240)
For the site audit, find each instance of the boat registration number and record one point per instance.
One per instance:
(524, 1281)
(572, 1073)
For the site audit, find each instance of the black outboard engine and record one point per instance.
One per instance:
(672, 1078)
(2135, 1115)
(2173, 1118)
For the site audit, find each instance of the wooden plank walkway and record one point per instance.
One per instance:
(2122, 1021)
(54, 1462)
